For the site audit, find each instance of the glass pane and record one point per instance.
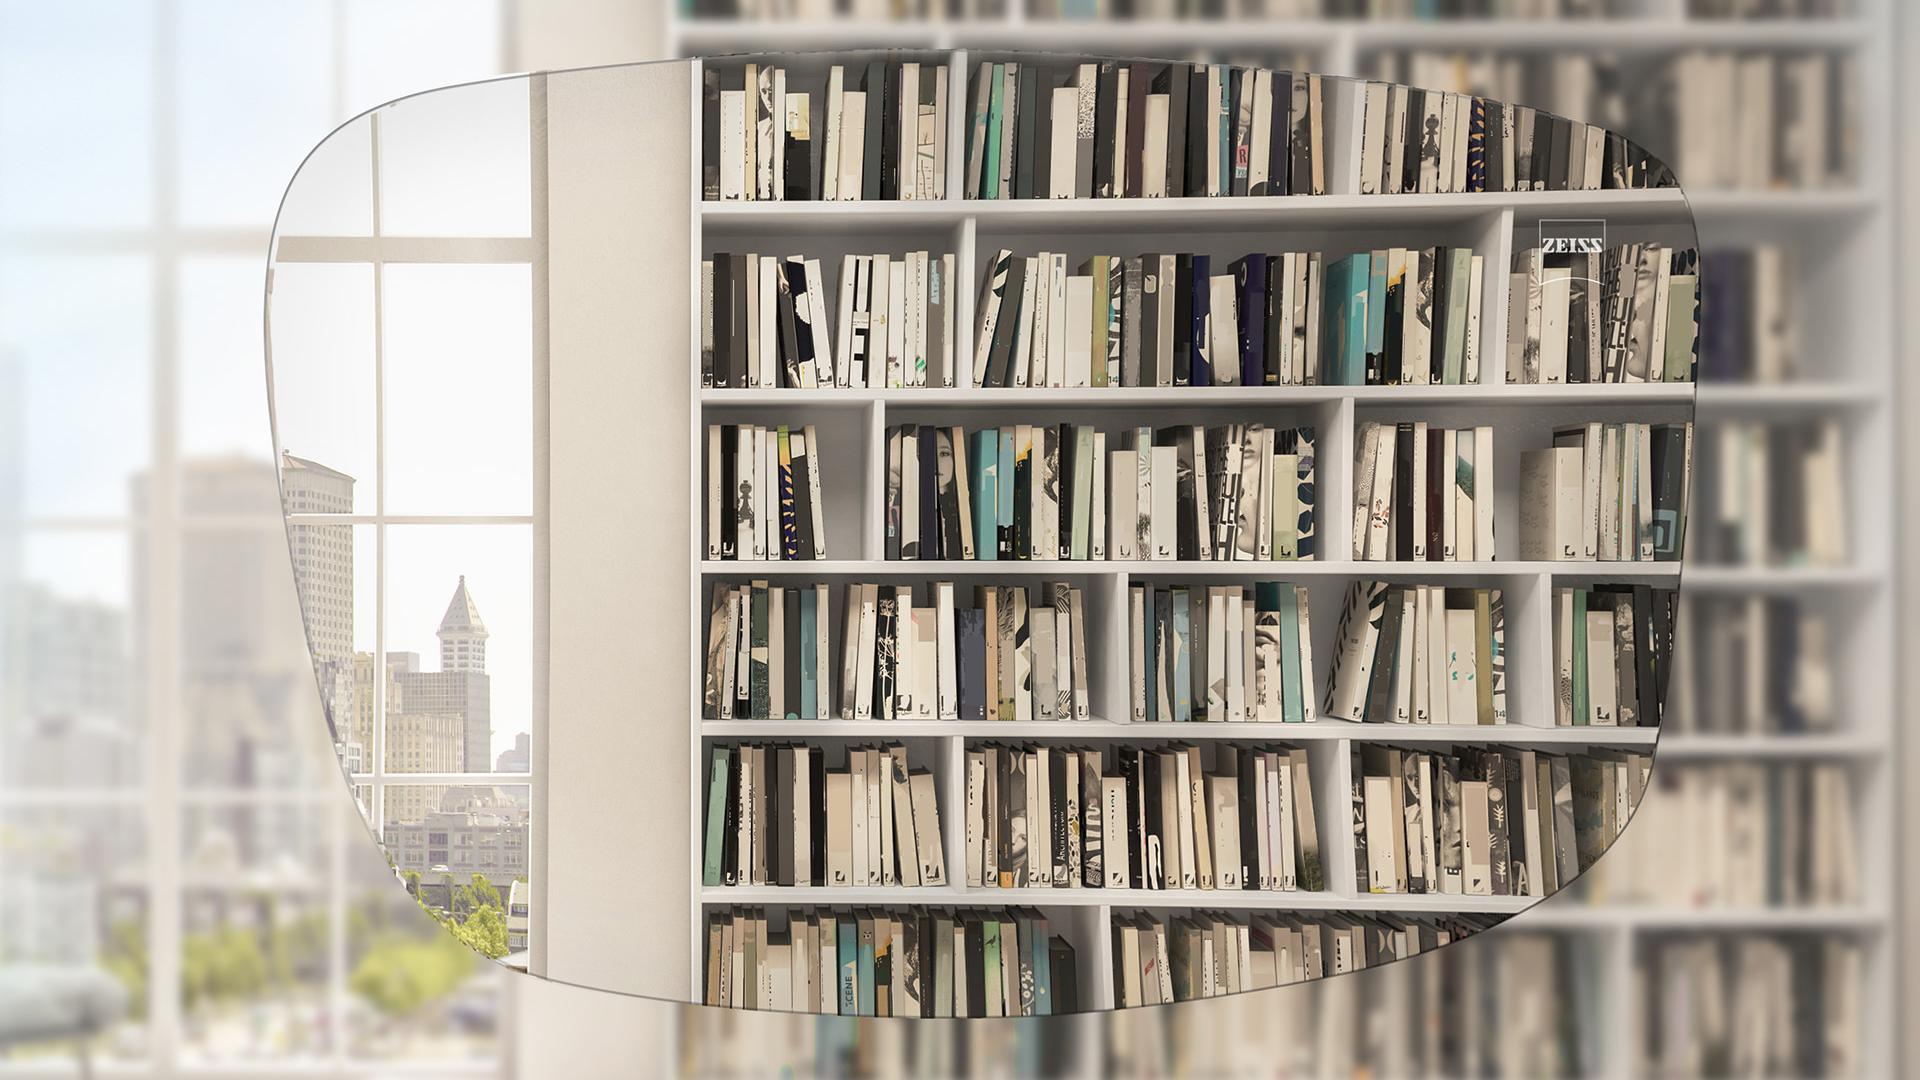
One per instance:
(415, 993)
(459, 372)
(252, 718)
(253, 92)
(223, 372)
(255, 887)
(455, 163)
(335, 194)
(73, 899)
(459, 848)
(76, 333)
(334, 572)
(323, 374)
(459, 642)
(70, 716)
(397, 47)
(76, 80)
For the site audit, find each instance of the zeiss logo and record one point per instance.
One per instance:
(1573, 236)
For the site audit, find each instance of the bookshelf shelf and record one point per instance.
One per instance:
(1283, 570)
(1125, 899)
(1685, 747)
(1242, 399)
(1070, 731)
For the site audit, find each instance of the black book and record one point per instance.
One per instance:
(730, 836)
(710, 134)
(1643, 663)
(1496, 142)
(1386, 656)
(1300, 143)
(1136, 129)
(930, 530)
(1557, 158)
(729, 524)
(1172, 81)
(970, 652)
(1278, 157)
(1542, 148)
(1437, 355)
(799, 161)
(1410, 151)
(1152, 363)
(780, 856)
(891, 135)
(722, 319)
(1023, 468)
(1136, 816)
(1066, 976)
(791, 610)
(1669, 468)
(884, 660)
(1182, 286)
(1150, 793)
(1058, 815)
(1163, 638)
(923, 974)
(817, 808)
(1186, 505)
(1392, 364)
(1025, 131)
(874, 165)
(771, 834)
(1235, 167)
(789, 344)
(1197, 132)
(1064, 477)
(1662, 628)
(949, 495)
(1042, 131)
(1201, 367)
(1403, 481)
(1584, 270)
(1105, 128)
(1252, 800)
(976, 969)
(1000, 358)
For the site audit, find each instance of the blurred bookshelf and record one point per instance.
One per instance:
(1830, 620)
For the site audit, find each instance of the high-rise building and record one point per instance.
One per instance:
(323, 577)
(518, 758)
(66, 674)
(475, 830)
(461, 686)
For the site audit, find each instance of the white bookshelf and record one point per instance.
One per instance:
(852, 425)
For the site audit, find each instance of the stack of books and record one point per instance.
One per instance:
(880, 133)
(777, 815)
(1612, 655)
(1750, 298)
(1114, 129)
(1756, 665)
(1609, 492)
(1627, 314)
(885, 962)
(1772, 494)
(763, 322)
(1423, 493)
(1221, 653)
(1487, 822)
(1144, 818)
(1403, 316)
(768, 653)
(1783, 1005)
(1158, 960)
(1420, 654)
(763, 493)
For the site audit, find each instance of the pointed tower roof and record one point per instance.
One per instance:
(462, 616)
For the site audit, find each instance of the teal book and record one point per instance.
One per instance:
(848, 950)
(865, 972)
(1580, 657)
(1042, 968)
(1182, 655)
(1376, 317)
(1459, 271)
(809, 654)
(716, 817)
(1291, 709)
(1346, 321)
(1225, 130)
(983, 459)
(1004, 486)
(996, 115)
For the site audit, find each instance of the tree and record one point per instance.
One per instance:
(485, 932)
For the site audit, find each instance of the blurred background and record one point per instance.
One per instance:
(187, 887)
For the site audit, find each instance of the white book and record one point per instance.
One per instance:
(857, 800)
(1419, 508)
(1420, 711)
(1223, 323)
(768, 271)
(1403, 668)
(853, 138)
(1216, 639)
(1368, 444)
(948, 666)
(1610, 492)
(764, 110)
(830, 150)
(1519, 285)
(733, 144)
(1066, 114)
(1123, 505)
(1382, 873)
(1260, 149)
(906, 655)
(869, 626)
(1380, 497)
(944, 285)
(777, 136)
(1079, 330)
(1213, 111)
(1643, 487)
(1476, 862)
(1164, 506)
(1462, 655)
(908, 125)
(903, 849)
(1373, 143)
(1246, 660)
(843, 351)
(1602, 689)
(1097, 544)
(1153, 158)
(821, 373)
(1040, 322)
(715, 499)
(876, 804)
(926, 824)
(897, 358)
(976, 822)
(1307, 697)
(1354, 643)
(1556, 283)
(823, 662)
(1121, 120)
(1471, 365)
(1439, 708)
(937, 137)
(1113, 830)
(1056, 318)
(813, 494)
